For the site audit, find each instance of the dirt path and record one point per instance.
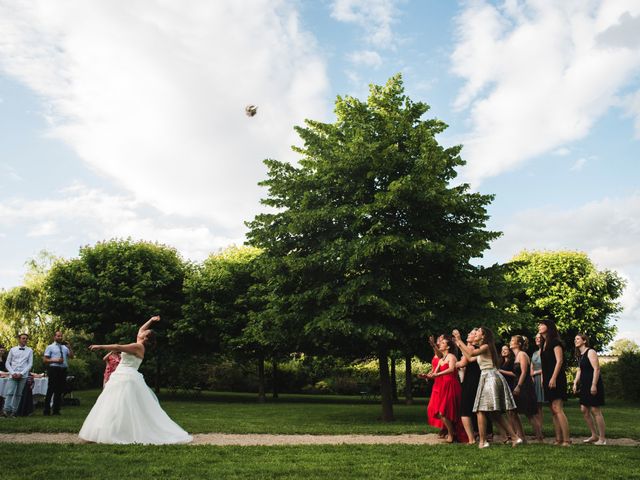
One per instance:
(260, 439)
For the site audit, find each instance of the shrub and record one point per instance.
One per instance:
(622, 377)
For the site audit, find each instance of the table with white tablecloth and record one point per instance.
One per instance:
(39, 385)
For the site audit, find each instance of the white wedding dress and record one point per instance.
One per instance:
(127, 411)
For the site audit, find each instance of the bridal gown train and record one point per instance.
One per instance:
(127, 411)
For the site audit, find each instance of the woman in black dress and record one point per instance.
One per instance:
(589, 382)
(506, 366)
(554, 379)
(524, 392)
(469, 389)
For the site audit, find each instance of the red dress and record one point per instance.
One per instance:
(434, 400)
(446, 400)
(112, 363)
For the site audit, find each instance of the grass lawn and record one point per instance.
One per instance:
(240, 413)
(319, 462)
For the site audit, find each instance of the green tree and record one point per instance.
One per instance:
(369, 242)
(565, 287)
(225, 311)
(23, 308)
(115, 285)
(623, 345)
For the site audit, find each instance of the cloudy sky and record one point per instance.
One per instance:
(126, 117)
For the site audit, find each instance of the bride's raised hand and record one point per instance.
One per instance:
(93, 348)
(155, 318)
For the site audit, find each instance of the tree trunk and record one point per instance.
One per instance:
(385, 388)
(408, 380)
(275, 378)
(261, 394)
(394, 382)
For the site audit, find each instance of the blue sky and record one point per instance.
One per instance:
(126, 118)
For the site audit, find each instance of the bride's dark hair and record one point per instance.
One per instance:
(150, 340)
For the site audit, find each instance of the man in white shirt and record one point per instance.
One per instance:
(19, 363)
(56, 358)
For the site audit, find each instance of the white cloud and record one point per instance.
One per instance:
(43, 229)
(562, 152)
(91, 215)
(578, 164)
(375, 16)
(537, 76)
(367, 58)
(607, 230)
(152, 93)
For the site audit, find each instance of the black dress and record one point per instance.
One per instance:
(586, 379)
(548, 359)
(469, 389)
(526, 401)
(511, 381)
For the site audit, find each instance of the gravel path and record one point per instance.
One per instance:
(259, 439)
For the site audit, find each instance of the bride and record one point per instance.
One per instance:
(127, 411)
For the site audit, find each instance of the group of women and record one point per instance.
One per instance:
(496, 390)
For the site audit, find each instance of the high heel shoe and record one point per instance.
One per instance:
(590, 440)
(519, 441)
(484, 445)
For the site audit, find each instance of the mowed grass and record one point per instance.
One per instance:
(319, 462)
(302, 414)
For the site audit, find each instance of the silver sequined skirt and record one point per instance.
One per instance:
(493, 393)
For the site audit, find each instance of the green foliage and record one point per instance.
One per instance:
(622, 377)
(23, 309)
(114, 285)
(623, 345)
(369, 244)
(567, 288)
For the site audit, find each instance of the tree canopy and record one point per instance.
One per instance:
(566, 287)
(115, 285)
(369, 241)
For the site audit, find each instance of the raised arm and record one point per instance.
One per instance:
(136, 349)
(147, 325)
(467, 351)
(436, 350)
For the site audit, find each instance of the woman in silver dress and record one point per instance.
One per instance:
(493, 397)
(536, 375)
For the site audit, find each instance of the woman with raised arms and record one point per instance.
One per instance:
(493, 397)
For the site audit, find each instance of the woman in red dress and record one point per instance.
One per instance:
(112, 360)
(445, 407)
(435, 390)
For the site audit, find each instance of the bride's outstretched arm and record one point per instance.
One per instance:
(133, 348)
(147, 325)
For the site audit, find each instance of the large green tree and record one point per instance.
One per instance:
(368, 241)
(115, 285)
(226, 310)
(566, 287)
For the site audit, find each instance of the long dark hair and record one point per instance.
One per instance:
(585, 339)
(451, 344)
(150, 340)
(509, 361)
(489, 339)
(552, 333)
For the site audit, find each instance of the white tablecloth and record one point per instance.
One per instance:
(39, 386)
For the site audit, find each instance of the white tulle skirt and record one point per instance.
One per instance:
(127, 411)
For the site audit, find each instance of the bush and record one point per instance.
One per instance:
(622, 377)
(81, 370)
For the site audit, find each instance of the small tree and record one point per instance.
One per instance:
(567, 288)
(624, 345)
